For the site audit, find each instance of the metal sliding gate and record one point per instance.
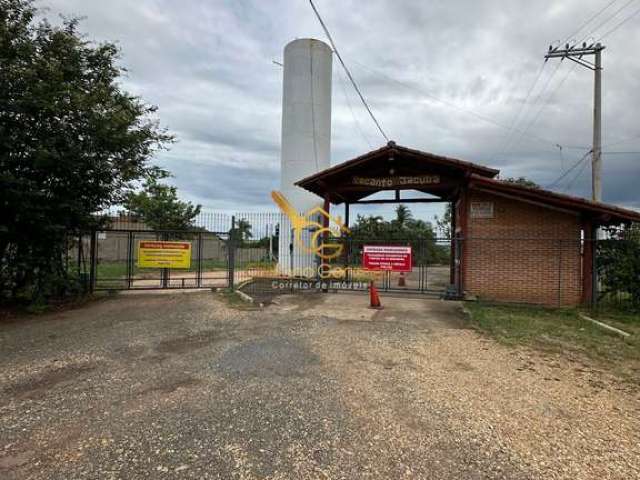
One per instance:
(114, 260)
(432, 269)
(110, 259)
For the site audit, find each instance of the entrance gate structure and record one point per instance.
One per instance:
(510, 242)
(399, 169)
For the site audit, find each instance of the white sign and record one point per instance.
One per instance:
(481, 209)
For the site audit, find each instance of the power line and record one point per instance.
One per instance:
(571, 182)
(353, 115)
(344, 66)
(479, 116)
(576, 55)
(546, 102)
(593, 17)
(569, 170)
(629, 2)
(548, 82)
(516, 119)
(618, 142)
(536, 100)
(609, 32)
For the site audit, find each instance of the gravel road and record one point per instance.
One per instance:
(182, 386)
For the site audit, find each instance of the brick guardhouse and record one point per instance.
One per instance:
(510, 242)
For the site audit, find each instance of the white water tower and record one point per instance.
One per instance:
(306, 134)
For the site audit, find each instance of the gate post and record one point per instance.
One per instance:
(231, 254)
(458, 265)
(130, 260)
(595, 280)
(93, 261)
(165, 271)
(200, 249)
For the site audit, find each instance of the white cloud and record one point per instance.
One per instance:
(207, 65)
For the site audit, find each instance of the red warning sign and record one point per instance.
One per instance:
(387, 258)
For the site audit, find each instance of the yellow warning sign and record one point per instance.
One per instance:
(153, 254)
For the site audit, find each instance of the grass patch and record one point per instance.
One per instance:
(232, 299)
(562, 331)
(117, 270)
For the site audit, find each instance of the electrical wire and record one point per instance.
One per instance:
(427, 94)
(508, 148)
(546, 102)
(621, 153)
(516, 119)
(569, 170)
(344, 66)
(607, 20)
(548, 82)
(353, 115)
(571, 182)
(618, 142)
(609, 32)
(593, 17)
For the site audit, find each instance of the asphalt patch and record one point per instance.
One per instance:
(33, 387)
(267, 357)
(189, 343)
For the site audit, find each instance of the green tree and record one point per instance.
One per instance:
(241, 232)
(405, 230)
(403, 217)
(618, 264)
(72, 143)
(525, 182)
(443, 224)
(369, 226)
(159, 207)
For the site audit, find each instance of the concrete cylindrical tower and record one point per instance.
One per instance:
(306, 133)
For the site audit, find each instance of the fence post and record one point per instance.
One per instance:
(199, 280)
(130, 261)
(458, 265)
(594, 270)
(231, 253)
(165, 271)
(423, 267)
(93, 261)
(559, 273)
(81, 271)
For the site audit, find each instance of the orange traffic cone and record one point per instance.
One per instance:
(401, 280)
(374, 297)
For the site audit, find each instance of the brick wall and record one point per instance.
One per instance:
(525, 253)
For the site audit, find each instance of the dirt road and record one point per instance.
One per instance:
(183, 386)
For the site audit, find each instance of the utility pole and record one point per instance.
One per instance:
(576, 54)
(596, 163)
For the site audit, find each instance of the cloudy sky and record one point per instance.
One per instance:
(450, 77)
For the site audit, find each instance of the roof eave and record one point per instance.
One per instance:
(567, 201)
(393, 147)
